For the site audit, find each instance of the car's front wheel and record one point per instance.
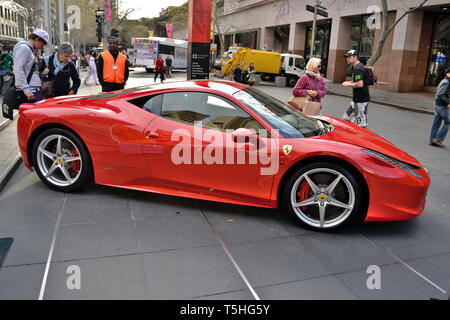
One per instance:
(61, 160)
(323, 196)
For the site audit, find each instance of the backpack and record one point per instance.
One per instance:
(372, 78)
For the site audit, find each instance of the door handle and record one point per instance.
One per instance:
(151, 135)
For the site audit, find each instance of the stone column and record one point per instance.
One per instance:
(341, 30)
(267, 37)
(405, 49)
(297, 38)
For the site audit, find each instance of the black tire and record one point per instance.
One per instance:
(148, 70)
(80, 171)
(347, 192)
(291, 81)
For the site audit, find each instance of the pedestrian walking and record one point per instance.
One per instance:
(312, 83)
(58, 70)
(25, 61)
(357, 112)
(112, 68)
(442, 112)
(159, 68)
(74, 58)
(169, 66)
(92, 69)
(251, 74)
(237, 73)
(84, 63)
(6, 61)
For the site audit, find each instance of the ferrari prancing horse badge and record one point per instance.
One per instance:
(287, 149)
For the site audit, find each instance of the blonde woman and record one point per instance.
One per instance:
(312, 83)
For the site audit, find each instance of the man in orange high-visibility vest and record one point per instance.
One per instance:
(112, 68)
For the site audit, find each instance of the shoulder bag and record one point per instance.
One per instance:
(304, 104)
(14, 97)
(47, 85)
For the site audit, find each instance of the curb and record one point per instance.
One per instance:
(5, 176)
(412, 109)
(5, 123)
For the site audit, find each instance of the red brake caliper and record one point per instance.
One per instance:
(303, 193)
(75, 164)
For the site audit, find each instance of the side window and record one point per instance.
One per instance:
(164, 49)
(149, 103)
(299, 63)
(212, 111)
(291, 62)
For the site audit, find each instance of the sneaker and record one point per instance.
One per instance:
(438, 143)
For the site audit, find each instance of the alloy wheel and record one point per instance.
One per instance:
(323, 198)
(59, 160)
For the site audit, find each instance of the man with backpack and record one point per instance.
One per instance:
(357, 112)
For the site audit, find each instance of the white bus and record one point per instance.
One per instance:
(147, 49)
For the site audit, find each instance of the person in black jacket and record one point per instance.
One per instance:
(60, 69)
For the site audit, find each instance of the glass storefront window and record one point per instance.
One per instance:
(322, 43)
(440, 50)
(362, 39)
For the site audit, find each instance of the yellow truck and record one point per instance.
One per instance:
(267, 64)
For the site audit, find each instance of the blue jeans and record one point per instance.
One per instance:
(2, 74)
(442, 114)
(38, 97)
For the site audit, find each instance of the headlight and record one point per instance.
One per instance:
(402, 165)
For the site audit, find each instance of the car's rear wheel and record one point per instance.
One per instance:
(323, 196)
(61, 160)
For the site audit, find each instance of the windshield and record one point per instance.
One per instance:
(228, 55)
(290, 122)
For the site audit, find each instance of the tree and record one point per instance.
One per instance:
(87, 35)
(33, 12)
(386, 29)
(133, 29)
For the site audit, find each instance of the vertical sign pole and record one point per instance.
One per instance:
(199, 35)
(48, 50)
(61, 21)
(313, 37)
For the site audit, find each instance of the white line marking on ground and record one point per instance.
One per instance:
(52, 247)
(231, 257)
(393, 255)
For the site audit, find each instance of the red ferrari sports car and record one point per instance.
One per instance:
(222, 141)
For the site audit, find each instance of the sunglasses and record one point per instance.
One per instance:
(320, 67)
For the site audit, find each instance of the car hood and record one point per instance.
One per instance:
(348, 133)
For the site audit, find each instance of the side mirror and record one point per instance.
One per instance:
(244, 135)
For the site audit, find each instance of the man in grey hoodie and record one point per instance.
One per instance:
(24, 58)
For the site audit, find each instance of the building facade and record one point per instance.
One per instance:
(414, 57)
(12, 21)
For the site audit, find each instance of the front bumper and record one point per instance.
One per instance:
(23, 135)
(395, 194)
